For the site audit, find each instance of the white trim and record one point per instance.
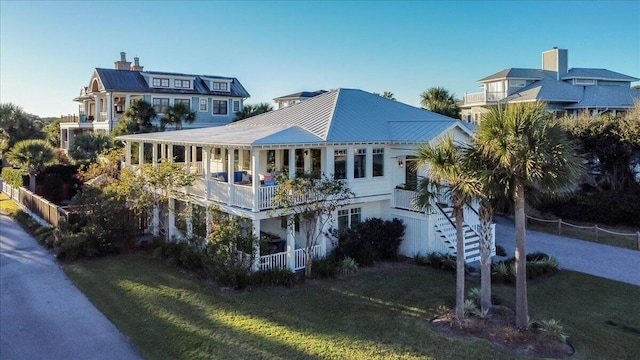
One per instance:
(206, 102)
(213, 114)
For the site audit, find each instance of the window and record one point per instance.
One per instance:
(184, 84)
(217, 154)
(340, 164)
(221, 86)
(183, 101)
(584, 81)
(220, 107)
(378, 162)
(359, 163)
(246, 160)
(517, 83)
(349, 218)
(203, 105)
(160, 105)
(160, 82)
(236, 106)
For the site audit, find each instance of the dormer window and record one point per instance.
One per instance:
(584, 81)
(219, 86)
(182, 84)
(517, 83)
(160, 82)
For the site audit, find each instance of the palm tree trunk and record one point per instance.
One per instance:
(522, 307)
(459, 260)
(32, 183)
(486, 215)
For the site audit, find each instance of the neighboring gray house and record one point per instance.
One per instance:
(214, 99)
(566, 91)
(288, 100)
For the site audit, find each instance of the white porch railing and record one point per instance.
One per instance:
(103, 116)
(300, 259)
(266, 195)
(405, 199)
(273, 261)
(243, 196)
(219, 191)
(474, 98)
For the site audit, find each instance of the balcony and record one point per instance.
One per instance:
(483, 98)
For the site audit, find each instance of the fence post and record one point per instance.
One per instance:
(559, 226)
(596, 226)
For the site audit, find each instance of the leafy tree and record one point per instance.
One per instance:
(142, 113)
(177, 114)
(52, 133)
(447, 170)
(150, 186)
(387, 94)
(17, 125)
(32, 156)
(611, 144)
(107, 165)
(249, 110)
(88, 145)
(529, 149)
(439, 100)
(312, 201)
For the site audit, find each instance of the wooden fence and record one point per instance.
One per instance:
(37, 205)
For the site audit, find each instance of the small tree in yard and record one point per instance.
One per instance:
(153, 185)
(32, 156)
(312, 202)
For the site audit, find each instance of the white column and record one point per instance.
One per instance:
(255, 161)
(187, 158)
(163, 151)
(194, 156)
(98, 109)
(206, 159)
(154, 155)
(291, 243)
(62, 133)
(230, 173)
(127, 154)
(109, 98)
(127, 101)
(369, 163)
(328, 168)
(170, 152)
(292, 163)
(140, 153)
(256, 245)
(306, 154)
(278, 160)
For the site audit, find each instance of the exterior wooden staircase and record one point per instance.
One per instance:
(446, 229)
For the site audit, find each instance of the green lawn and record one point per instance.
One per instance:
(7, 205)
(378, 313)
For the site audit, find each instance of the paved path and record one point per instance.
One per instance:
(588, 257)
(42, 314)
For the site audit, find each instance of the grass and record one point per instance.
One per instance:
(7, 205)
(374, 314)
(627, 242)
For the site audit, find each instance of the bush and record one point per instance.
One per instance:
(538, 264)
(348, 266)
(15, 177)
(324, 268)
(274, 277)
(371, 241)
(500, 251)
(439, 261)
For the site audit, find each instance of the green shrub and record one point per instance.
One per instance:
(348, 266)
(324, 268)
(15, 177)
(274, 277)
(538, 264)
(553, 329)
(440, 261)
(371, 241)
(500, 251)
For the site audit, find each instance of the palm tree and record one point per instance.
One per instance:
(389, 95)
(32, 156)
(249, 110)
(87, 146)
(439, 100)
(177, 114)
(445, 162)
(529, 149)
(141, 112)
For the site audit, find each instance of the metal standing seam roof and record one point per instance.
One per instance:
(599, 74)
(339, 116)
(303, 94)
(547, 89)
(133, 81)
(607, 96)
(518, 73)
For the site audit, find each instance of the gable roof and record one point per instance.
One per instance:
(607, 97)
(301, 95)
(547, 89)
(338, 116)
(134, 81)
(518, 73)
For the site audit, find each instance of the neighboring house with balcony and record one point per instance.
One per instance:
(214, 99)
(567, 91)
(292, 99)
(350, 134)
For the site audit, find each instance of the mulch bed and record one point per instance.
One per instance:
(499, 329)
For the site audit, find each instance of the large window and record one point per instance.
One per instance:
(184, 84)
(359, 163)
(183, 101)
(340, 164)
(517, 83)
(378, 162)
(220, 107)
(159, 82)
(236, 106)
(160, 105)
(221, 86)
(203, 105)
(349, 218)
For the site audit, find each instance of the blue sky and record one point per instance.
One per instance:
(49, 49)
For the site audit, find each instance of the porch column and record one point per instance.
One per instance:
(62, 134)
(194, 157)
(69, 138)
(109, 98)
(230, 173)
(154, 155)
(206, 158)
(328, 164)
(187, 158)
(278, 160)
(255, 266)
(98, 109)
(163, 151)
(127, 101)
(291, 243)
(127, 154)
(170, 152)
(140, 153)
(255, 161)
(292, 163)
(306, 154)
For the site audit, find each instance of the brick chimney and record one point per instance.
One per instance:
(123, 64)
(136, 64)
(556, 60)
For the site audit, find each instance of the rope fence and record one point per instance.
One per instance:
(599, 232)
